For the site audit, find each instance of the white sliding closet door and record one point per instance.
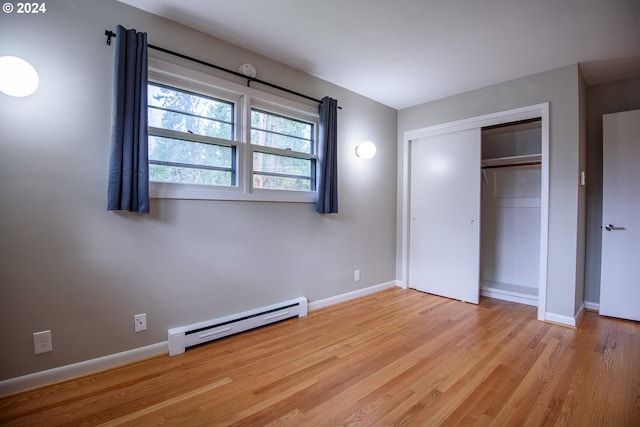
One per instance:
(444, 233)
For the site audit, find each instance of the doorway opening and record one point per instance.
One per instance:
(510, 211)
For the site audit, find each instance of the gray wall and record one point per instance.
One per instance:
(561, 88)
(582, 191)
(614, 97)
(68, 265)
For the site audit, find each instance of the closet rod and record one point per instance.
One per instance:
(111, 34)
(511, 165)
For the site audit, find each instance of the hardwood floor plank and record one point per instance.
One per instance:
(395, 358)
(164, 404)
(435, 405)
(457, 381)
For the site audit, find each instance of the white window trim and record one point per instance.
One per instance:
(245, 98)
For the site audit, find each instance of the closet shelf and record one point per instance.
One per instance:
(526, 160)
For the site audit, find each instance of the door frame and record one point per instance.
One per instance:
(530, 112)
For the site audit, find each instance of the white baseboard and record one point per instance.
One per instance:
(315, 305)
(558, 318)
(91, 366)
(85, 367)
(510, 296)
(566, 320)
(579, 315)
(595, 306)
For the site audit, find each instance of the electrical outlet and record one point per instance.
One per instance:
(42, 342)
(356, 276)
(140, 322)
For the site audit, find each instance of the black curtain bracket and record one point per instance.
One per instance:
(109, 35)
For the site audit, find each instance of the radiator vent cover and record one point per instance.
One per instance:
(183, 337)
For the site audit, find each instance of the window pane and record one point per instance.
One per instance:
(184, 175)
(281, 183)
(184, 123)
(282, 173)
(190, 152)
(188, 112)
(263, 162)
(276, 131)
(268, 139)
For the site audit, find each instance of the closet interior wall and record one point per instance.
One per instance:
(510, 212)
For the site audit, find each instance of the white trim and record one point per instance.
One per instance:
(523, 113)
(566, 320)
(558, 318)
(85, 367)
(497, 118)
(315, 305)
(510, 296)
(167, 190)
(595, 306)
(579, 315)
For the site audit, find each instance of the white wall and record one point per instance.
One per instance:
(559, 87)
(68, 265)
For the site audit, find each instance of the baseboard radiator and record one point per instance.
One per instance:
(183, 337)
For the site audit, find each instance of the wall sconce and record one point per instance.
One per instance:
(17, 77)
(366, 150)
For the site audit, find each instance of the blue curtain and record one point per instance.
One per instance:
(328, 157)
(128, 187)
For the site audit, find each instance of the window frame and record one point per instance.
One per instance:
(244, 99)
(282, 111)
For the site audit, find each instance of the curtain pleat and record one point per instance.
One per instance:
(328, 157)
(128, 185)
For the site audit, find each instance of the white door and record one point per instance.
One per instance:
(620, 269)
(444, 233)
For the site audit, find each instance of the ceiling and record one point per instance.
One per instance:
(407, 52)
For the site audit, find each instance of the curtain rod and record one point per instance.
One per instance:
(111, 34)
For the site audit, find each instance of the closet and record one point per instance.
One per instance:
(475, 207)
(510, 211)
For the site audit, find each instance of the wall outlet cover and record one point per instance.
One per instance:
(140, 322)
(42, 342)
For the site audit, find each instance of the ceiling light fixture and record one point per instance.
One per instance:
(17, 77)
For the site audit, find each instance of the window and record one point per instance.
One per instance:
(283, 157)
(213, 139)
(185, 130)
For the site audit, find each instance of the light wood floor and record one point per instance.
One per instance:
(398, 357)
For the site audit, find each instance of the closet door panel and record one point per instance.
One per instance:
(444, 234)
